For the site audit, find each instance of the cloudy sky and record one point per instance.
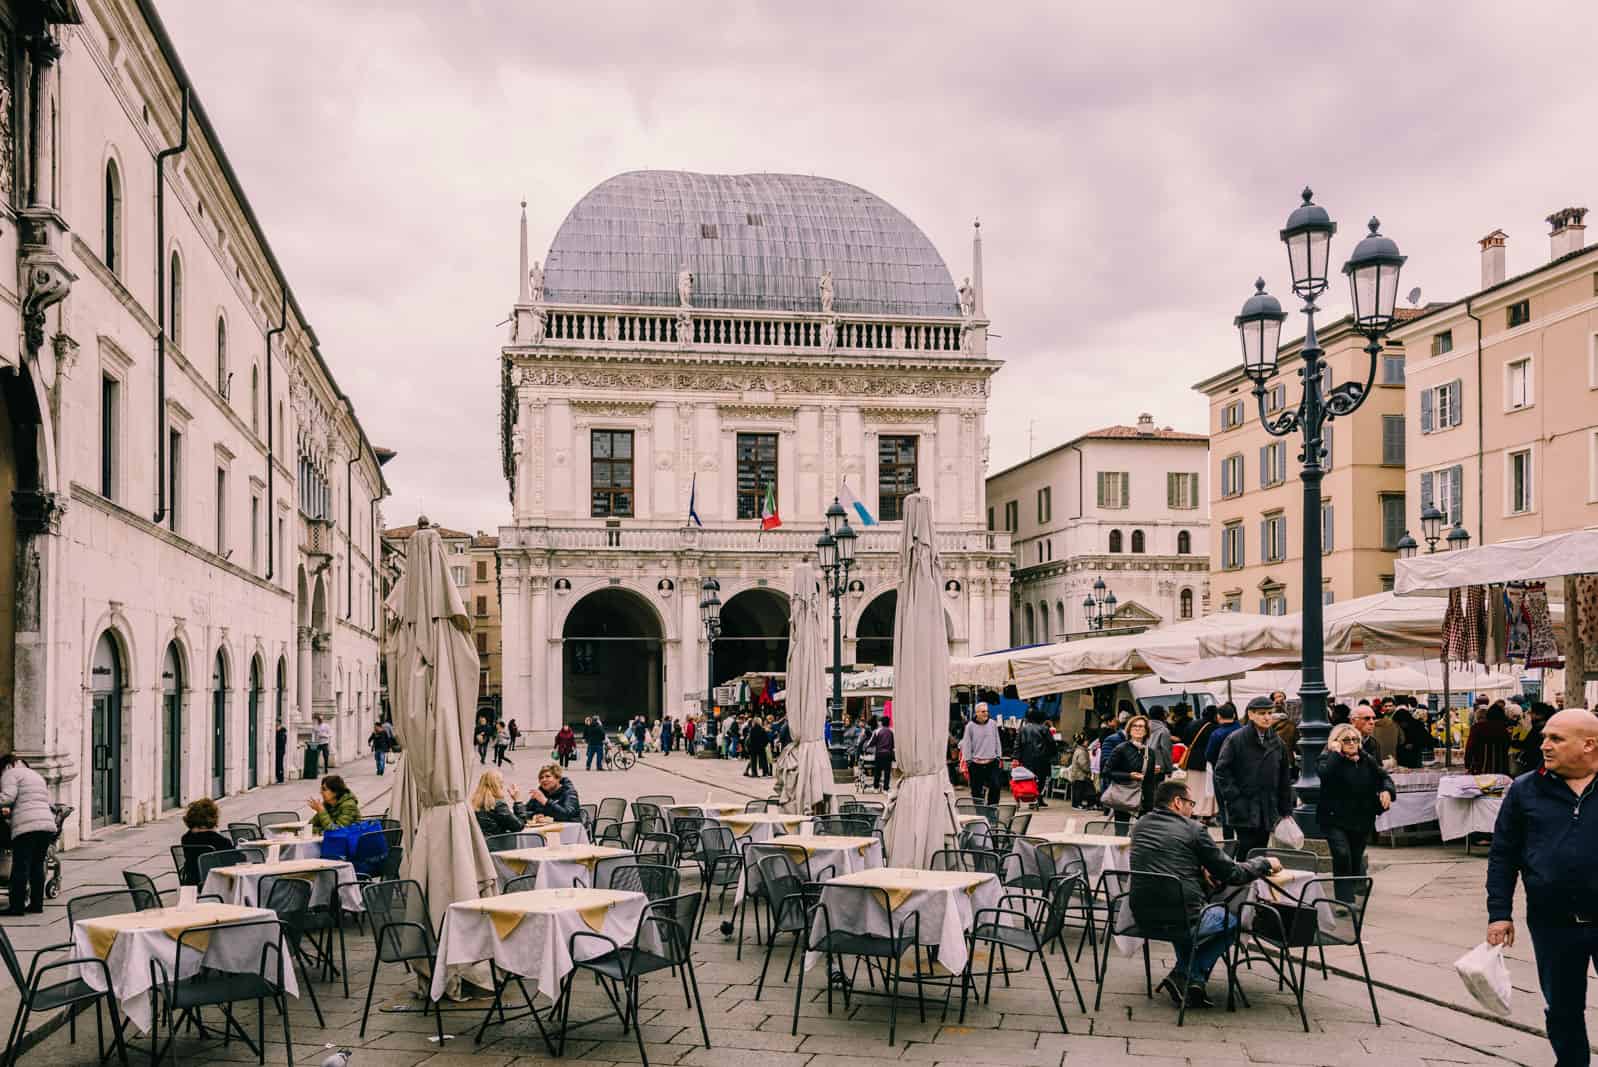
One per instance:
(1131, 164)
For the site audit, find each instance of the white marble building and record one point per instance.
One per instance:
(695, 338)
(1128, 505)
(187, 560)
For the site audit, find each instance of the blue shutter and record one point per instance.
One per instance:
(1456, 478)
(1265, 465)
(1426, 416)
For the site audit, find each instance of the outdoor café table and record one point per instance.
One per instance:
(760, 827)
(130, 942)
(1098, 851)
(527, 934)
(945, 901)
(1469, 803)
(845, 855)
(293, 847)
(717, 808)
(559, 833)
(560, 866)
(239, 883)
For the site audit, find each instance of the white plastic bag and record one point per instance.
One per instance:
(1287, 834)
(1486, 977)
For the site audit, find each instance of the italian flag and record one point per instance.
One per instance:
(769, 519)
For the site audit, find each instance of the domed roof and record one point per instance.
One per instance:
(752, 241)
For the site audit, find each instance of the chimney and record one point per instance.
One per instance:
(1492, 258)
(1566, 233)
(1145, 425)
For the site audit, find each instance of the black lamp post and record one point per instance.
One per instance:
(710, 615)
(835, 552)
(1372, 273)
(1099, 607)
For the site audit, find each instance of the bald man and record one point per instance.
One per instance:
(1547, 837)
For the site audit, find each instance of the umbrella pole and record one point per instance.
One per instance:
(1448, 719)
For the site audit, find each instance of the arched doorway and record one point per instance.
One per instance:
(611, 658)
(874, 631)
(252, 759)
(754, 634)
(172, 727)
(105, 755)
(219, 711)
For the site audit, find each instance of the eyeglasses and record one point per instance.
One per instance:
(1345, 742)
(1184, 800)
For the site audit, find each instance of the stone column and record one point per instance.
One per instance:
(302, 679)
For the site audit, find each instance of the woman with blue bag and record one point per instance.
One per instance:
(336, 806)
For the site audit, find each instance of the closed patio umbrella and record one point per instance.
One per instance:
(432, 678)
(920, 809)
(804, 771)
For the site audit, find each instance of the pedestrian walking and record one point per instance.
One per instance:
(515, 734)
(565, 744)
(594, 738)
(378, 741)
(25, 803)
(481, 738)
(1547, 839)
(280, 750)
(757, 742)
(502, 745)
(1035, 748)
(1251, 779)
(667, 735)
(1354, 790)
(881, 745)
(689, 730)
(984, 755)
(323, 735)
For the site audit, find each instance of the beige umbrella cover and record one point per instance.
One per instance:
(920, 810)
(804, 771)
(432, 678)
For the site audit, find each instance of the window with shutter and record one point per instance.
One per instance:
(1327, 542)
(1456, 494)
(1265, 465)
(1393, 527)
(1392, 440)
(1456, 407)
(1126, 489)
(1100, 481)
(1427, 400)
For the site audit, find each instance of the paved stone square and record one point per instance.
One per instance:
(1426, 911)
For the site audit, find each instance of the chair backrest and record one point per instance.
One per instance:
(392, 863)
(965, 859)
(625, 834)
(869, 908)
(389, 824)
(965, 804)
(862, 807)
(1103, 827)
(613, 808)
(842, 826)
(290, 898)
(977, 835)
(186, 861)
(244, 831)
(401, 923)
(839, 800)
(603, 829)
(8, 955)
(673, 919)
(681, 811)
(521, 883)
(757, 806)
(1019, 822)
(269, 819)
(656, 881)
(144, 889)
(1339, 905)
(1007, 810)
(658, 848)
(1294, 859)
(686, 829)
(1162, 905)
(109, 902)
(587, 813)
(715, 841)
(222, 857)
(253, 853)
(659, 800)
(647, 811)
(784, 884)
(246, 944)
(506, 842)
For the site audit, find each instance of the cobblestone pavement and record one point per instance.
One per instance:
(1426, 911)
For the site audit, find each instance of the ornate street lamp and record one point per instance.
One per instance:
(1431, 527)
(710, 615)
(1406, 546)
(1099, 607)
(835, 553)
(1458, 537)
(1372, 273)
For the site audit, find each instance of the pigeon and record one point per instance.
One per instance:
(337, 1058)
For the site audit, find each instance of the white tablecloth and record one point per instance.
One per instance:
(537, 948)
(1098, 852)
(294, 848)
(563, 833)
(561, 866)
(134, 949)
(761, 827)
(1458, 816)
(716, 809)
(1409, 809)
(845, 855)
(239, 883)
(946, 901)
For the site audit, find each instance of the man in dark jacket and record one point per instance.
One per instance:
(1168, 841)
(1035, 748)
(1252, 784)
(594, 738)
(881, 746)
(757, 740)
(1547, 837)
(555, 797)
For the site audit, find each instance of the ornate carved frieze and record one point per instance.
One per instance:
(613, 409)
(897, 416)
(783, 413)
(741, 380)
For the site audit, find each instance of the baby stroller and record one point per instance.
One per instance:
(1023, 785)
(52, 858)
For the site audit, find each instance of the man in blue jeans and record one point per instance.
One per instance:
(1547, 837)
(594, 738)
(1169, 841)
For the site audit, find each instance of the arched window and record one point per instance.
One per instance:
(1185, 609)
(1184, 543)
(1043, 621)
(1115, 540)
(1030, 631)
(174, 284)
(221, 357)
(255, 400)
(1137, 540)
(113, 217)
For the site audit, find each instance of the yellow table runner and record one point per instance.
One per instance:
(103, 930)
(556, 828)
(901, 882)
(507, 912)
(741, 826)
(812, 842)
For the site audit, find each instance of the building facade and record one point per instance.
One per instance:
(697, 351)
(1257, 499)
(1128, 505)
(1502, 427)
(484, 606)
(193, 502)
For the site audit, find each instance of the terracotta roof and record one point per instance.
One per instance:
(1132, 432)
(483, 540)
(400, 533)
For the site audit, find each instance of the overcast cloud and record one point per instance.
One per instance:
(1131, 164)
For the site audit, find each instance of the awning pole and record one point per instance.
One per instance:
(1448, 719)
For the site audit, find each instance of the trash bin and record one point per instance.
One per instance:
(313, 763)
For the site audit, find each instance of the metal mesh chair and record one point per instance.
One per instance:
(720, 866)
(1294, 859)
(965, 859)
(1158, 907)
(587, 813)
(186, 861)
(613, 808)
(757, 807)
(653, 880)
(190, 987)
(241, 832)
(841, 826)
(110, 902)
(38, 995)
(791, 902)
(522, 883)
(686, 829)
(1326, 911)
(268, 819)
(222, 857)
(622, 835)
(1101, 827)
(886, 950)
(290, 900)
(1006, 811)
(1027, 922)
(657, 848)
(1019, 822)
(658, 800)
(506, 842)
(402, 930)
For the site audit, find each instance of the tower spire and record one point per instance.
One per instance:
(976, 268)
(523, 292)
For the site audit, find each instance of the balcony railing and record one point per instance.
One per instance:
(744, 329)
(794, 541)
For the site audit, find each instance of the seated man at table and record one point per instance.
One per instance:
(201, 819)
(555, 797)
(336, 806)
(1169, 841)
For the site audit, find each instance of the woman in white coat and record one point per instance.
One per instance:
(25, 804)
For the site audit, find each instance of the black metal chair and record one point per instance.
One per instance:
(660, 801)
(39, 997)
(222, 857)
(686, 829)
(1326, 911)
(757, 807)
(322, 924)
(884, 950)
(402, 931)
(655, 881)
(1294, 859)
(720, 866)
(186, 862)
(522, 883)
(1166, 906)
(871, 809)
(622, 834)
(976, 835)
(1018, 823)
(268, 819)
(141, 883)
(663, 941)
(506, 842)
(613, 808)
(841, 826)
(1101, 827)
(965, 859)
(1005, 811)
(588, 813)
(651, 815)
(188, 988)
(791, 902)
(241, 832)
(1041, 918)
(109, 902)
(657, 848)
(290, 900)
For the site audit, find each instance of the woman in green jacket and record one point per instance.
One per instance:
(336, 806)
